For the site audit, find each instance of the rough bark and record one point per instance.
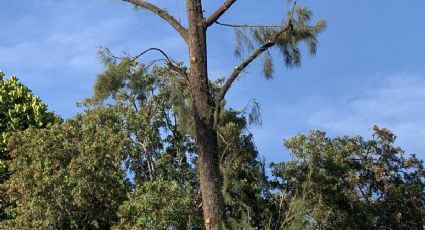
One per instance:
(206, 138)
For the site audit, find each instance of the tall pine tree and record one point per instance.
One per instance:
(205, 106)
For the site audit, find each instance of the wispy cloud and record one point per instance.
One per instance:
(396, 102)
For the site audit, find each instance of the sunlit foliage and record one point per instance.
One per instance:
(19, 109)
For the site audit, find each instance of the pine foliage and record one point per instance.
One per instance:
(287, 43)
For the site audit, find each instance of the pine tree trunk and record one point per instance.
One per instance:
(206, 137)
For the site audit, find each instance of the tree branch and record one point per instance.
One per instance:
(245, 26)
(219, 12)
(163, 14)
(238, 69)
(170, 64)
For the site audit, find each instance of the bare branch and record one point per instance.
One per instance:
(153, 49)
(219, 12)
(245, 26)
(170, 63)
(238, 69)
(163, 14)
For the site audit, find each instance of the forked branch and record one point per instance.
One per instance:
(219, 12)
(238, 69)
(170, 63)
(163, 14)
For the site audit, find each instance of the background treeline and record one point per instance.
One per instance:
(129, 161)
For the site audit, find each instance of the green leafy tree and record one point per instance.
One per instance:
(133, 164)
(159, 156)
(145, 100)
(19, 109)
(204, 106)
(161, 204)
(154, 105)
(353, 183)
(70, 175)
(244, 180)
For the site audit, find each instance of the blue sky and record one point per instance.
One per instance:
(369, 68)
